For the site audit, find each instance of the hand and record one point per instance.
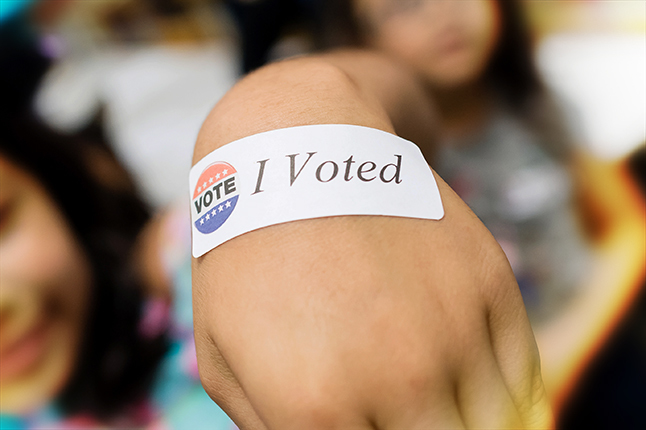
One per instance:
(368, 322)
(358, 322)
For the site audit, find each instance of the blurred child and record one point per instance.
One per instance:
(502, 148)
(95, 316)
(95, 297)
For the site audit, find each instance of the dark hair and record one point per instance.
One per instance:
(511, 71)
(116, 364)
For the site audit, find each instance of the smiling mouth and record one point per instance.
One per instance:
(22, 355)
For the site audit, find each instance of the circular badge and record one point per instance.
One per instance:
(215, 197)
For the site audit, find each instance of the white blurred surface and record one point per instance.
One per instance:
(155, 99)
(603, 78)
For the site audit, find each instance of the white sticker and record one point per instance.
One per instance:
(307, 172)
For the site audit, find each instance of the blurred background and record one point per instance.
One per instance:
(141, 76)
(130, 64)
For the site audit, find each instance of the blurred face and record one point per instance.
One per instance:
(448, 41)
(44, 290)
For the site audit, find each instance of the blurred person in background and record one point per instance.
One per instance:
(95, 315)
(504, 148)
(95, 308)
(502, 145)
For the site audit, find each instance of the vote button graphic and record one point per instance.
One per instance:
(215, 197)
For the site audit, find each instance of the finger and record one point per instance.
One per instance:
(481, 392)
(512, 340)
(515, 349)
(429, 418)
(420, 403)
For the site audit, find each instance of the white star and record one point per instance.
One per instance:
(208, 217)
(204, 185)
(225, 171)
(199, 189)
(210, 180)
(221, 208)
(228, 203)
(217, 176)
(202, 221)
(214, 212)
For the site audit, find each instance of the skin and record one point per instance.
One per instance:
(44, 292)
(359, 322)
(449, 42)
